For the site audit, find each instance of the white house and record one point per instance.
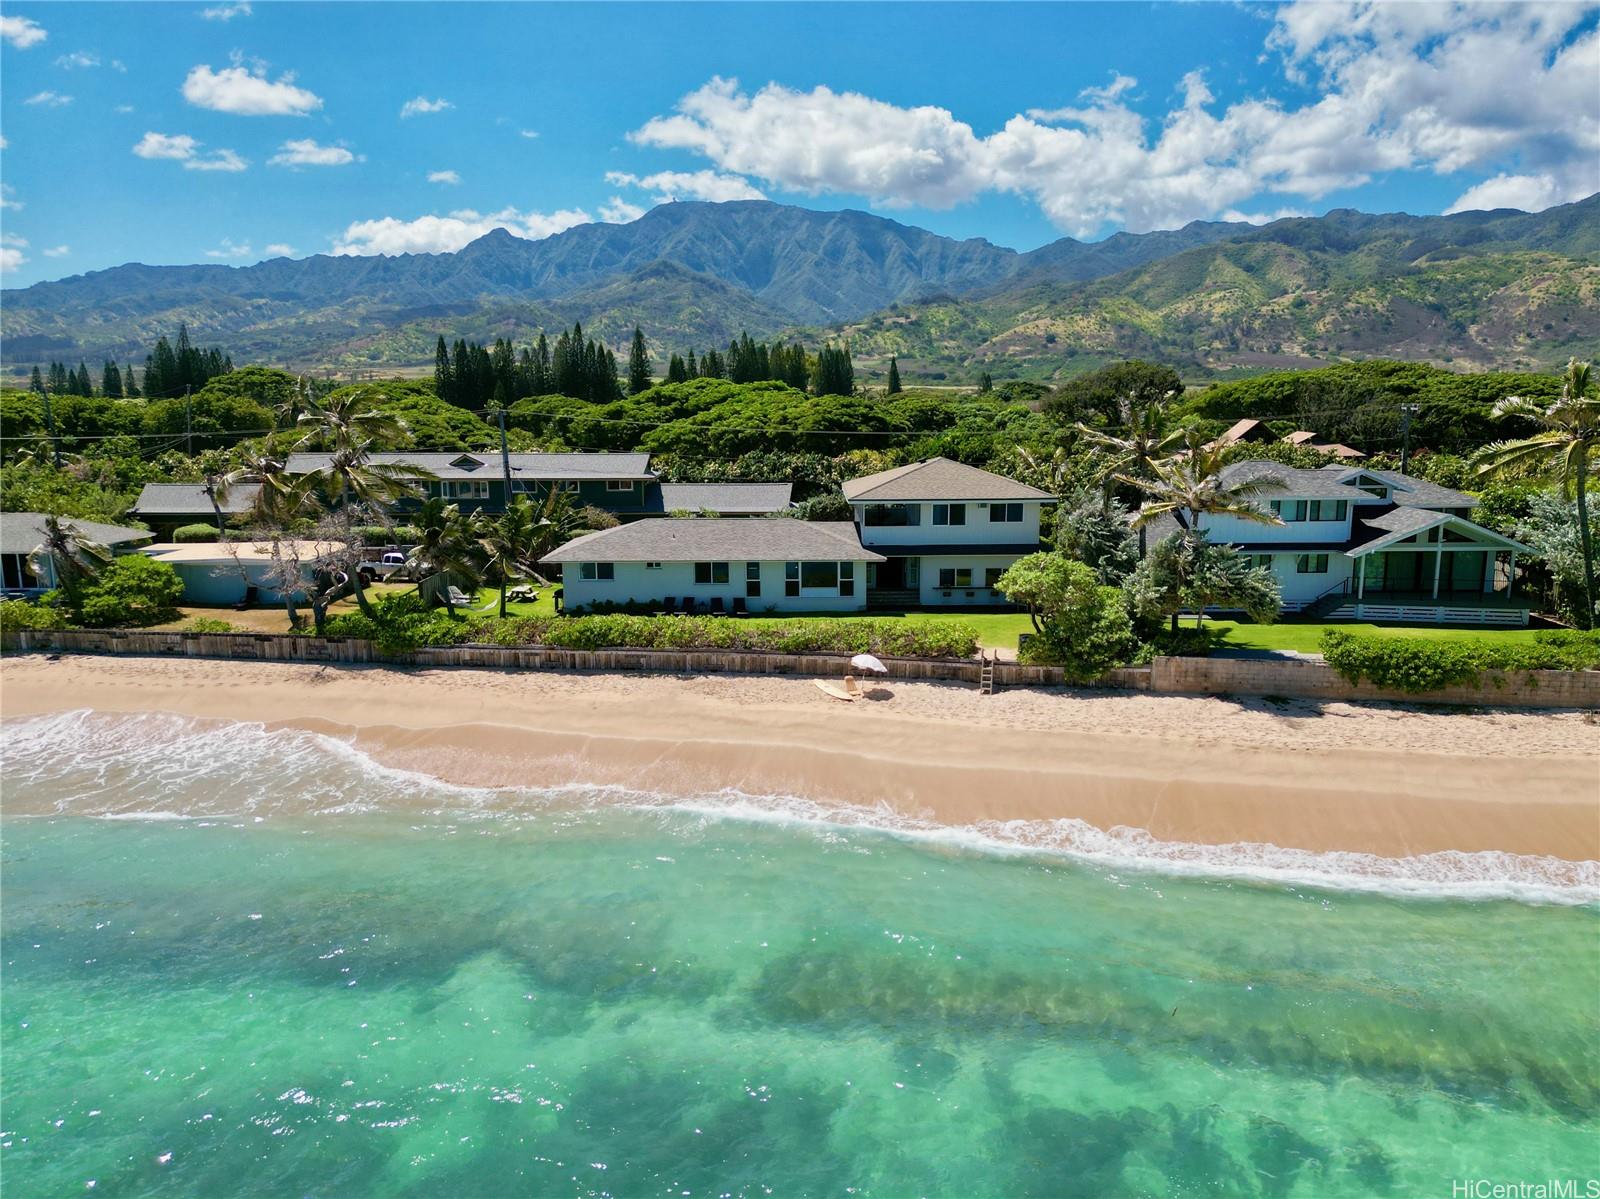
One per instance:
(711, 564)
(1363, 544)
(948, 531)
(226, 573)
(23, 532)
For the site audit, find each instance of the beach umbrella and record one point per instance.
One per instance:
(868, 662)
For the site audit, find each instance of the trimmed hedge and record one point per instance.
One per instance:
(195, 532)
(25, 614)
(401, 626)
(1417, 664)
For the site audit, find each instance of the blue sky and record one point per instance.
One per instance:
(179, 132)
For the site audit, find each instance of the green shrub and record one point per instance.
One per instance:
(26, 614)
(400, 624)
(207, 624)
(1416, 664)
(132, 590)
(195, 532)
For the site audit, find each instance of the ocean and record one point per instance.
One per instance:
(241, 961)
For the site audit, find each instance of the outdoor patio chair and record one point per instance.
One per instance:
(717, 608)
(739, 606)
(688, 605)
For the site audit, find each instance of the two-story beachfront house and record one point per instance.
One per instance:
(1363, 544)
(705, 564)
(947, 531)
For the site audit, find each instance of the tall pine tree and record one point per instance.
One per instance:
(894, 375)
(638, 364)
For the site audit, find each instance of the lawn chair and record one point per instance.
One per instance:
(739, 607)
(460, 599)
(688, 605)
(717, 608)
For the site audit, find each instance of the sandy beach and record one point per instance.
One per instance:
(1380, 779)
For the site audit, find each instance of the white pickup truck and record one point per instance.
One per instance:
(388, 564)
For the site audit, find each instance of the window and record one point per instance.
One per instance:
(466, 462)
(652, 566)
(752, 579)
(949, 514)
(819, 575)
(991, 576)
(955, 576)
(791, 578)
(1264, 561)
(619, 485)
(885, 515)
(710, 573)
(847, 578)
(1311, 564)
(603, 571)
(1329, 509)
(468, 489)
(1289, 510)
(568, 485)
(1005, 514)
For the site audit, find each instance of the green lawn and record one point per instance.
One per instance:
(999, 630)
(1306, 636)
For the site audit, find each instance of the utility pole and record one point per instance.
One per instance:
(505, 454)
(50, 424)
(1407, 411)
(188, 424)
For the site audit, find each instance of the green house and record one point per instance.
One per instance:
(621, 484)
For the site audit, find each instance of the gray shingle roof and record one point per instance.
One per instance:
(1410, 491)
(939, 479)
(485, 464)
(185, 499)
(708, 539)
(22, 532)
(724, 497)
(1297, 483)
(1402, 520)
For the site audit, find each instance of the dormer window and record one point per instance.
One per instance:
(466, 462)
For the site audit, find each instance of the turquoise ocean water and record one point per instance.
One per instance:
(241, 962)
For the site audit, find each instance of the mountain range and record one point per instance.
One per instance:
(1478, 289)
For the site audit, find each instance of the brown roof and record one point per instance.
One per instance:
(940, 479)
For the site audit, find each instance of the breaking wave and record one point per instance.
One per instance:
(163, 767)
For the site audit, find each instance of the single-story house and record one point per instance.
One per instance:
(167, 506)
(222, 573)
(1364, 544)
(725, 499)
(23, 532)
(778, 565)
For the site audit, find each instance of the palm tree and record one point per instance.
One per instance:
(1145, 441)
(509, 544)
(559, 520)
(446, 549)
(72, 557)
(1569, 430)
(351, 429)
(1192, 481)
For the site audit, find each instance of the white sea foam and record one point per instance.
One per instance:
(162, 767)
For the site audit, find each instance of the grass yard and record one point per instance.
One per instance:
(1306, 637)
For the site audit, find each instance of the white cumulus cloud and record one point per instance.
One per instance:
(22, 32)
(307, 152)
(618, 211)
(1503, 91)
(11, 255)
(279, 249)
(689, 185)
(180, 147)
(422, 105)
(246, 92)
(226, 12)
(57, 251)
(441, 234)
(443, 177)
(48, 99)
(528, 133)
(78, 59)
(8, 198)
(230, 249)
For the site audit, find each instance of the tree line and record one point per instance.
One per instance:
(472, 376)
(169, 370)
(749, 361)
